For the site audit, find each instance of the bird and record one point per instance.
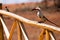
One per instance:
(7, 9)
(41, 16)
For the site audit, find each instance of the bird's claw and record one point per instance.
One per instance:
(41, 22)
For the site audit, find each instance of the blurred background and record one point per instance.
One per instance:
(50, 9)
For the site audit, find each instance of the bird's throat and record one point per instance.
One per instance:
(38, 14)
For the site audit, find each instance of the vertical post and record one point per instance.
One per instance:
(47, 35)
(19, 33)
(1, 27)
(23, 31)
(41, 37)
(12, 30)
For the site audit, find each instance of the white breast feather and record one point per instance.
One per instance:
(38, 14)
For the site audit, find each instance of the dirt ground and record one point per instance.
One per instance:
(33, 31)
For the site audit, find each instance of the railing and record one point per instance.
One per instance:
(18, 23)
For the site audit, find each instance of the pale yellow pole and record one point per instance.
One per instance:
(47, 35)
(19, 32)
(1, 27)
(41, 37)
(12, 30)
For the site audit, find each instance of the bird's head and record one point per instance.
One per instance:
(37, 8)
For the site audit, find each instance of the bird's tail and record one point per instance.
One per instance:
(51, 22)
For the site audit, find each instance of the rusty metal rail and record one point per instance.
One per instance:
(18, 23)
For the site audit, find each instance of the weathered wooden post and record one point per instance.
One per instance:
(1, 27)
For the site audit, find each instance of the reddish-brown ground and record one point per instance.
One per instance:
(33, 31)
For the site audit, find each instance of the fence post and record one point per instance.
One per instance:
(47, 35)
(41, 37)
(1, 27)
(19, 33)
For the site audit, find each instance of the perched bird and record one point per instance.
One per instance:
(6, 17)
(7, 9)
(40, 15)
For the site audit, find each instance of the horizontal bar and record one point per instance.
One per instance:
(32, 23)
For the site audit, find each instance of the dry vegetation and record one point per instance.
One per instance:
(25, 11)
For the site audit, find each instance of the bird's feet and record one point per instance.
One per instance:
(40, 22)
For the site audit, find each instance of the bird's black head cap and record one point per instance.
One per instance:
(37, 8)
